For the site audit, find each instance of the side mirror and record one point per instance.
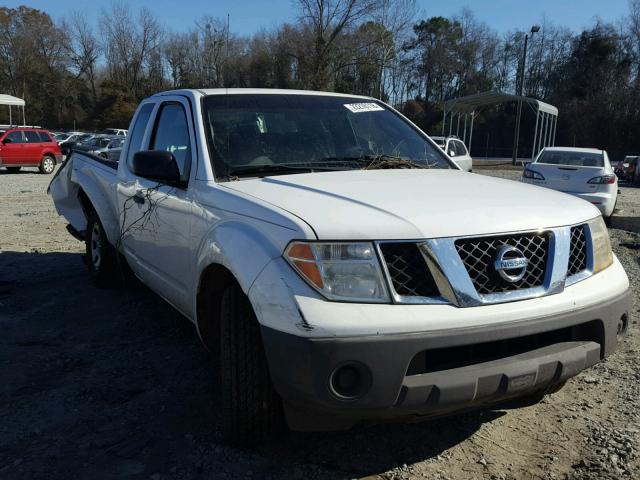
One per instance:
(6, 141)
(157, 165)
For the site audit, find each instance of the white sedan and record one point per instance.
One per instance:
(457, 151)
(583, 172)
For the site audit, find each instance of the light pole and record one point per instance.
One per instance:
(519, 90)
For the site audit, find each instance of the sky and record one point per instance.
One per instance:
(249, 16)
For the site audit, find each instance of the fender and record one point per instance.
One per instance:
(241, 248)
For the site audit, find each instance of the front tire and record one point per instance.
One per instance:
(251, 408)
(102, 259)
(47, 165)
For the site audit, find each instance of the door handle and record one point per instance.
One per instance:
(139, 197)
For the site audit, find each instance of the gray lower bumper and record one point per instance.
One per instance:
(301, 368)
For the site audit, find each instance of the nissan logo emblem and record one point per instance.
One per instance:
(510, 263)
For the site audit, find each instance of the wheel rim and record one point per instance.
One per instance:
(96, 246)
(47, 164)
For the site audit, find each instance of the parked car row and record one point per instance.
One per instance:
(107, 144)
(37, 147)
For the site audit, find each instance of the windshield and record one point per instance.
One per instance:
(93, 142)
(571, 158)
(266, 134)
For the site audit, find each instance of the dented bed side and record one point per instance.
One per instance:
(82, 174)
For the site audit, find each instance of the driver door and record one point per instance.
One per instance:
(156, 218)
(13, 150)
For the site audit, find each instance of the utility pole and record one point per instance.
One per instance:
(519, 90)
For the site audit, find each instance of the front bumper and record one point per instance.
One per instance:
(434, 373)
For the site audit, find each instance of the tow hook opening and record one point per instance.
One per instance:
(623, 324)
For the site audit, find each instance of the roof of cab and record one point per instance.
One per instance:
(254, 91)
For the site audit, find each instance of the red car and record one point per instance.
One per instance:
(29, 147)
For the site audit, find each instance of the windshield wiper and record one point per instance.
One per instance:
(390, 161)
(372, 162)
(275, 168)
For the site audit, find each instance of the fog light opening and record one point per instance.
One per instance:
(350, 381)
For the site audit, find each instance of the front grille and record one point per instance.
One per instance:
(578, 251)
(479, 255)
(408, 271)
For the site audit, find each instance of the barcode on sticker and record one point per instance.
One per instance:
(363, 107)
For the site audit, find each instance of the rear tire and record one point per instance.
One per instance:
(47, 165)
(251, 408)
(13, 169)
(102, 258)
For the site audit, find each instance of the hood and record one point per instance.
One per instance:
(413, 204)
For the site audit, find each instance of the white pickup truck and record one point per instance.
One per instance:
(342, 267)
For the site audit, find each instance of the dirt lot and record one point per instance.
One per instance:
(115, 384)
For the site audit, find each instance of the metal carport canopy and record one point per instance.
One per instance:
(13, 101)
(546, 115)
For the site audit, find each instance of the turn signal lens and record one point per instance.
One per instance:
(602, 255)
(340, 270)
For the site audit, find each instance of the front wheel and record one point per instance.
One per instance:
(251, 408)
(102, 259)
(47, 164)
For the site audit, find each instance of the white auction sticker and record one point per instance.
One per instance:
(363, 107)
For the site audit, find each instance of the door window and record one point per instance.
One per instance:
(171, 134)
(44, 137)
(32, 137)
(15, 137)
(461, 150)
(137, 132)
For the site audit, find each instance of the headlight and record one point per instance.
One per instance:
(602, 256)
(340, 271)
(526, 173)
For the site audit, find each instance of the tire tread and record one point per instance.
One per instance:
(251, 408)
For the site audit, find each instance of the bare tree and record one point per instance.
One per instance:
(397, 17)
(84, 49)
(130, 45)
(326, 19)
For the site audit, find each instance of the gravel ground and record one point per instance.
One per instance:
(115, 384)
